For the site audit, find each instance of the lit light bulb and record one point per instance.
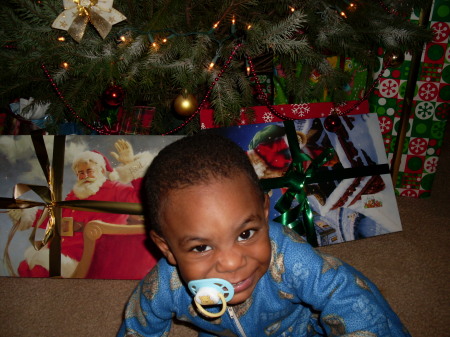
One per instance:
(61, 39)
(292, 9)
(216, 25)
(249, 27)
(123, 38)
(352, 7)
(213, 62)
(65, 65)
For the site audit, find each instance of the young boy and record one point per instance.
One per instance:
(209, 217)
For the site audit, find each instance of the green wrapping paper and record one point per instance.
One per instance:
(412, 101)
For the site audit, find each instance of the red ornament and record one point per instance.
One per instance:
(114, 95)
(332, 123)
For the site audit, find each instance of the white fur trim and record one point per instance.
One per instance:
(136, 169)
(42, 258)
(89, 156)
(113, 176)
(39, 257)
(68, 266)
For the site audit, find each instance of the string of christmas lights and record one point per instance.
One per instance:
(254, 77)
(171, 33)
(250, 69)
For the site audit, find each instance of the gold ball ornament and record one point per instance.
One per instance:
(185, 104)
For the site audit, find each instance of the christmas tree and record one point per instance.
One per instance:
(89, 58)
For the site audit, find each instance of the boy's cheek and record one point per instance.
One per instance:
(264, 252)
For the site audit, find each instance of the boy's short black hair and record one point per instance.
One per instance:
(192, 160)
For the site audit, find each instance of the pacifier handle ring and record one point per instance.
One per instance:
(211, 314)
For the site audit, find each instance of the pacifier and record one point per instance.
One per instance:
(212, 291)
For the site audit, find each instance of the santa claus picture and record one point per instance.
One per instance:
(98, 168)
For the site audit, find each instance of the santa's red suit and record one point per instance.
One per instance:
(36, 263)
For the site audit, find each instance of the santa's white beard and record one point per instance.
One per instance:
(83, 189)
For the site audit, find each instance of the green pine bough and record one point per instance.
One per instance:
(164, 48)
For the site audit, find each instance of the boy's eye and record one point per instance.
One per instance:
(201, 248)
(245, 235)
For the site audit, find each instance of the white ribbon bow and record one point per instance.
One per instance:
(77, 14)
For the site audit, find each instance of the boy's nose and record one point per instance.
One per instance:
(230, 260)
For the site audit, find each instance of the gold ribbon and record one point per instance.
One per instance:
(76, 16)
(86, 14)
(51, 201)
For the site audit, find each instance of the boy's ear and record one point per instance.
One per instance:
(163, 246)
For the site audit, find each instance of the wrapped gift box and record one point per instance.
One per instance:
(419, 156)
(350, 194)
(265, 114)
(137, 121)
(104, 248)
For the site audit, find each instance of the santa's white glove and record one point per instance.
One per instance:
(125, 154)
(23, 218)
(15, 215)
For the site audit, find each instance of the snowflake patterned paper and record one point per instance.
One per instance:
(430, 108)
(262, 114)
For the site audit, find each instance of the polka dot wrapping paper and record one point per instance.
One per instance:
(430, 108)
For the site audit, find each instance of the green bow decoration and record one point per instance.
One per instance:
(51, 200)
(300, 217)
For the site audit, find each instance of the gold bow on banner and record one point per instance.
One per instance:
(77, 14)
(51, 200)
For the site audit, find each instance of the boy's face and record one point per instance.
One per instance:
(217, 230)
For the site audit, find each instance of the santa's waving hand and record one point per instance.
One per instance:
(125, 153)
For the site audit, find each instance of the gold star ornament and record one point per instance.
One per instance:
(78, 13)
